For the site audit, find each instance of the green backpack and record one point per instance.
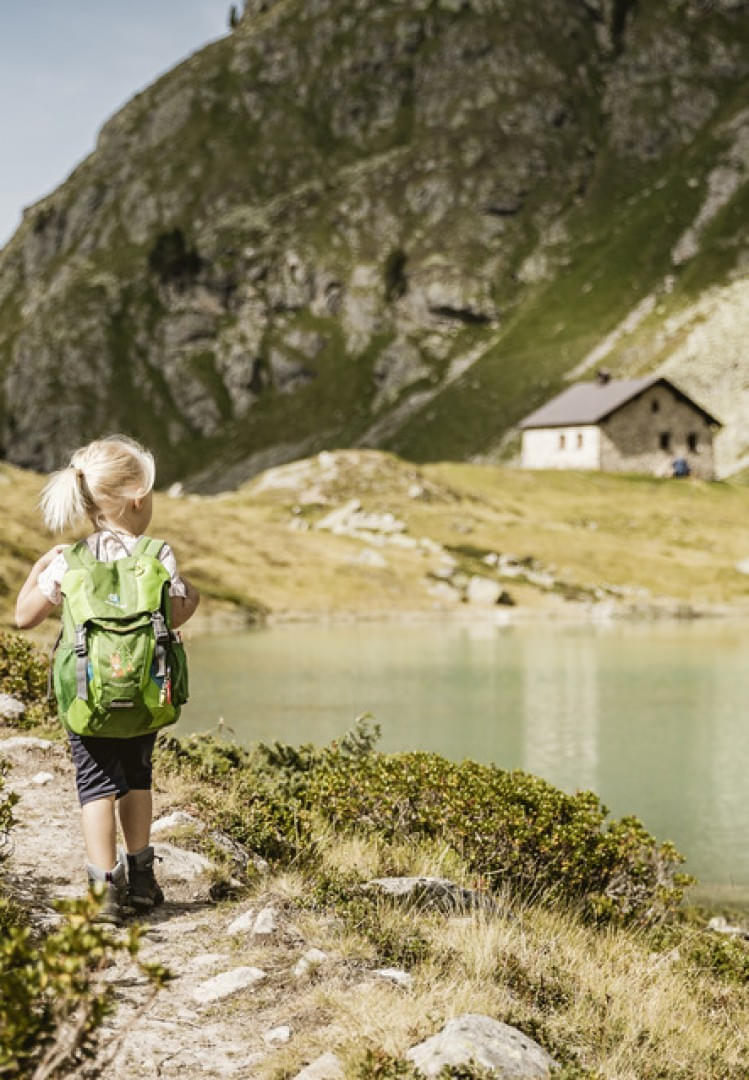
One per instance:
(120, 670)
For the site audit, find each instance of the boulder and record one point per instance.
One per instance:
(483, 591)
(485, 1042)
(431, 892)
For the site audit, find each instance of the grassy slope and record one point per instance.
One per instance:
(679, 540)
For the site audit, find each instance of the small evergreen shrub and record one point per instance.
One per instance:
(23, 675)
(51, 1001)
(510, 828)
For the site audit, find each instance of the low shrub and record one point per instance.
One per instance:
(509, 828)
(51, 1000)
(23, 675)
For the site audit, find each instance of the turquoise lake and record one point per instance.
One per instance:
(651, 716)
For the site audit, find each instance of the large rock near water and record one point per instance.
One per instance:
(480, 1040)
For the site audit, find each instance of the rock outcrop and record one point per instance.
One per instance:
(397, 225)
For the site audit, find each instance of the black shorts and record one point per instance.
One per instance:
(105, 767)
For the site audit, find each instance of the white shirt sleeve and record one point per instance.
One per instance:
(178, 587)
(50, 579)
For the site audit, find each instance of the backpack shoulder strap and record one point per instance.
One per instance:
(78, 556)
(147, 546)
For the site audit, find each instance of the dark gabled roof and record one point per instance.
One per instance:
(591, 402)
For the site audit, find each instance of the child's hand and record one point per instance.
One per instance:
(44, 560)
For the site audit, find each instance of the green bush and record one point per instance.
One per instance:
(51, 1001)
(23, 675)
(510, 828)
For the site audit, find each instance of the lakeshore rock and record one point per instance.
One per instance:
(483, 591)
(486, 1042)
(431, 892)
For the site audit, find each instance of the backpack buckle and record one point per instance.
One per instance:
(81, 649)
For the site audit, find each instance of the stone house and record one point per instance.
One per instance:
(620, 425)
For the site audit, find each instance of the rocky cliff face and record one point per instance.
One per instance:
(394, 224)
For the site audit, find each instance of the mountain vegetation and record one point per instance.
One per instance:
(390, 224)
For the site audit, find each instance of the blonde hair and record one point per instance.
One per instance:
(98, 483)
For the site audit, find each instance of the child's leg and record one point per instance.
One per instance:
(135, 818)
(136, 809)
(99, 832)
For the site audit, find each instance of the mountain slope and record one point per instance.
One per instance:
(393, 224)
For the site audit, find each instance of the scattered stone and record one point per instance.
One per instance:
(326, 1067)
(483, 591)
(175, 490)
(312, 959)
(720, 925)
(204, 960)
(395, 975)
(277, 1036)
(487, 1043)
(178, 819)
(370, 557)
(742, 567)
(491, 558)
(416, 491)
(11, 708)
(24, 742)
(42, 778)
(431, 892)
(175, 862)
(243, 923)
(239, 857)
(227, 983)
(266, 922)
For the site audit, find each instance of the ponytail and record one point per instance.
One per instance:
(62, 501)
(98, 483)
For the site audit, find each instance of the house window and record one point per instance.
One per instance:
(655, 405)
(562, 441)
(579, 440)
(664, 440)
(692, 442)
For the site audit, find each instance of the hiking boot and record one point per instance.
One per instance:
(111, 887)
(144, 890)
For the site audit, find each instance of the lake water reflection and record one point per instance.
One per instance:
(650, 716)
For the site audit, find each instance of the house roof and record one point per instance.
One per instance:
(591, 402)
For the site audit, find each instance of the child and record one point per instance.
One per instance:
(110, 482)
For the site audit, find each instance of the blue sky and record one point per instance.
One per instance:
(67, 65)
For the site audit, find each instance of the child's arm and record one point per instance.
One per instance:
(183, 607)
(32, 606)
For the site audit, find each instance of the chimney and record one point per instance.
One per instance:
(603, 377)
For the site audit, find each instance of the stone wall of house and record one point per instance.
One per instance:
(649, 433)
(561, 448)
